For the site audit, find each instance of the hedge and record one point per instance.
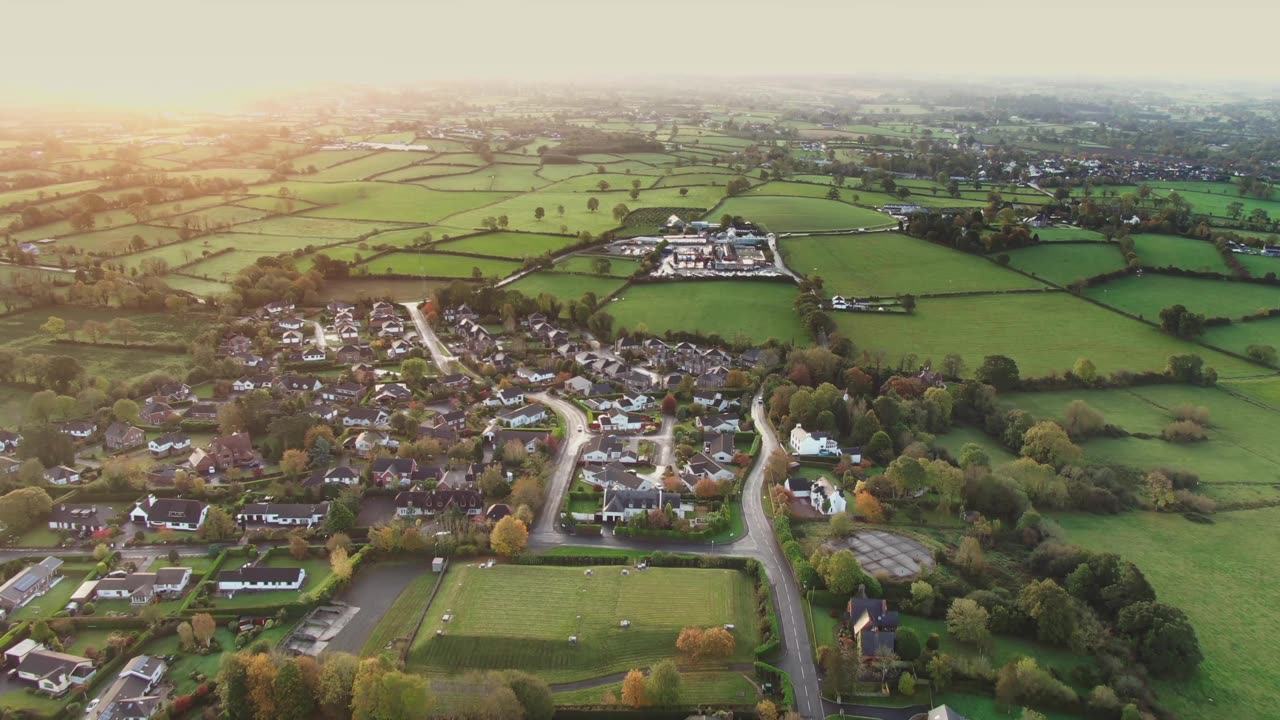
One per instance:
(766, 671)
(715, 528)
(12, 637)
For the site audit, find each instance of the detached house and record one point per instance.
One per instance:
(169, 444)
(253, 578)
(142, 588)
(535, 376)
(505, 398)
(133, 695)
(79, 519)
(617, 477)
(54, 672)
(435, 502)
(342, 392)
(874, 626)
(703, 466)
(803, 442)
(79, 429)
(524, 416)
(719, 446)
(172, 392)
(621, 421)
(826, 498)
(366, 417)
(634, 402)
(31, 582)
(9, 441)
(343, 475)
(156, 414)
(171, 513)
(291, 337)
(608, 448)
(290, 514)
(224, 453)
(62, 475)
(622, 505)
(720, 423)
(122, 436)
(392, 470)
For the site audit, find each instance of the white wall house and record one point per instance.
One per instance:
(803, 442)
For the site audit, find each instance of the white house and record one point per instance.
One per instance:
(622, 505)
(29, 583)
(366, 417)
(142, 588)
(133, 695)
(291, 337)
(703, 466)
(803, 442)
(300, 514)
(720, 423)
(522, 417)
(171, 513)
(505, 398)
(621, 421)
(608, 448)
(62, 475)
(343, 475)
(535, 376)
(616, 477)
(255, 578)
(826, 498)
(53, 672)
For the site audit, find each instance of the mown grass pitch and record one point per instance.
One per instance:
(521, 617)
(888, 264)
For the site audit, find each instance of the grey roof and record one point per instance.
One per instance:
(257, 574)
(619, 500)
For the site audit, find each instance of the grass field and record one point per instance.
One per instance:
(1056, 234)
(1259, 266)
(799, 214)
(315, 227)
(1264, 390)
(508, 244)
(1238, 628)
(1042, 332)
(1145, 296)
(618, 267)
(961, 435)
(696, 688)
(888, 264)
(1062, 264)
(366, 167)
(566, 286)
(1238, 336)
(21, 332)
(1005, 648)
(489, 631)
(440, 265)
(381, 201)
(1186, 253)
(752, 309)
(505, 177)
(520, 209)
(403, 615)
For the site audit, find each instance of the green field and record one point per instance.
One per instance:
(566, 286)
(382, 201)
(1222, 576)
(366, 167)
(315, 227)
(888, 264)
(696, 688)
(402, 617)
(1064, 263)
(1264, 390)
(746, 308)
(508, 244)
(618, 266)
(1174, 251)
(489, 631)
(962, 435)
(505, 177)
(1145, 296)
(520, 209)
(439, 265)
(799, 214)
(1005, 648)
(1056, 234)
(1238, 336)
(1042, 332)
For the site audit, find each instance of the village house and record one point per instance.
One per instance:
(309, 354)
(79, 519)
(370, 440)
(299, 383)
(249, 360)
(720, 447)
(703, 466)
(289, 322)
(289, 514)
(253, 382)
(578, 385)
(874, 626)
(622, 505)
(133, 695)
(53, 672)
(173, 392)
(720, 423)
(826, 498)
(351, 354)
(79, 429)
(62, 475)
(253, 578)
(524, 416)
(278, 307)
(323, 411)
(156, 414)
(805, 443)
(714, 401)
(392, 394)
(142, 588)
(530, 440)
(634, 402)
(9, 441)
(455, 381)
(608, 448)
(616, 476)
(202, 412)
(399, 348)
(366, 417)
(436, 430)
(392, 470)
(416, 503)
(292, 338)
(535, 376)
(344, 475)
(171, 513)
(346, 392)
(169, 444)
(347, 331)
(122, 436)
(621, 421)
(29, 583)
(505, 398)
(456, 419)
(224, 452)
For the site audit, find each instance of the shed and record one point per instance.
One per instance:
(437, 565)
(84, 593)
(14, 655)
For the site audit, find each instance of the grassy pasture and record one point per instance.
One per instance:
(221, 215)
(21, 332)
(414, 173)
(520, 209)
(402, 617)
(324, 159)
(1171, 250)
(439, 265)
(617, 181)
(508, 244)
(1055, 234)
(504, 177)
(1042, 332)
(696, 688)
(201, 287)
(366, 167)
(1264, 390)
(1259, 266)
(753, 309)
(386, 202)
(857, 195)
(1238, 336)
(315, 227)
(557, 171)
(1145, 296)
(46, 192)
(961, 435)
(566, 286)
(1238, 629)
(488, 631)
(886, 264)
(799, 214)
(1063, 264)
(618, 267)
(249, 176)
(116, 240)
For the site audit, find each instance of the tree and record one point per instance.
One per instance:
(967, 621)
(298, 547)
(969, 557)
(1162, 637)
(593, 204)
(766, 710)
(533, 694)
(341, 563)
(126, 411)
(22, 508)
(842, 573)
(336, 678)
(509, 536)
(998, 371)
(101, 551)
(706, 488)
(717, 643)
(1082, 419)
(203, 626)
(340, 518)
(633, 689)
(620, 212)
(123, 329)
(1178, 320)
(1085, 370)
(868, 507)
(1052, 608)
(879, 447)
(294, 699)
(186, 638)
(841, 525)
(539, 213)
(906, 474)
(670, 404)
(218, 525)
(1046, 442)
(233, 686)
(663, 686)
(907, 684)
(413, 370)
(364, 689)
(294, 463)
(907, 644)
(262, 686)
(54, 327)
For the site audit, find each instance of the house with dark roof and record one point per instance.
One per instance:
(366, 417)
(622, 421)
(254, 578)
(703, 466)
(622, 505)
(9, 440)
(224, 452)
(530, 440)
(616, 476)
(342, 392)
(133, 695)
(505, 397)
(342, 475)
(54, 672)
(79, 518)
(531, 414)
(169, 444)
(874, 626)
(79, 429)
(415, 503)
(142, 588)
(29, 583)
(719, 447)
(455, 381)
(122, 436)
(608, 448)
(456, 419)
(392, 470)
(720, 423)
(437, 431)
(170, 513)
(286, 514)
(202, 412)
(62, 475)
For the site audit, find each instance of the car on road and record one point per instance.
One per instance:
(91, 706)
(579, 428)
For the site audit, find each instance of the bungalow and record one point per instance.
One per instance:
(703, 466)
(370, 440)
(437, 431)
(278, 307)
(714, 400)
(343, 475)
(616, 477)
(251, 383)
(171, 513)
(434, 502)
(392, 393)
(250, 360)
(30, 582)
(621, 421)
(133, 695)
(79, 429)
(598, 405)
(347, 331)
(531, 440)
(634, 402)
(53, 672)
(366, 417)
(535, 376)
(826, 498)
(720, 423)
(800, 487)
(299, 383)
(156, 413)
(172, 392)
(305, 514)
(720, 447)
(253, 578)
(291, 338)
(399, 348)
(62, 475)
(79, 518)
(337, 307)
(122, 436)
(307, 355)
(289, 322)
(524, 416)
(803, 442)
(350, 354)
(202, 412)
(578, 385)
(391, 327)
(455, 381)
(327, 413)
(169, 444)
(142, 588)
(342, 392)
(622, 505)
(392, 470)
(9, 440)
(608, 448)
(874, 626)
(505, 398)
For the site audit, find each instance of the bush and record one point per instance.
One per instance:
(1197, 414)
(1183, 431)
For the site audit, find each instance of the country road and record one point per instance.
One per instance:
(443, 360)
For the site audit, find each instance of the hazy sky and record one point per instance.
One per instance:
(177, 51)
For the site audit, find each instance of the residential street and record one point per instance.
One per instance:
(443, 360)
(322, 342)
